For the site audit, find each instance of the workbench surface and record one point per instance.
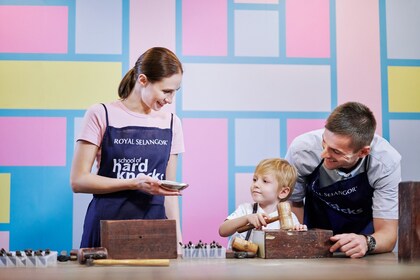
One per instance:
(381, 266)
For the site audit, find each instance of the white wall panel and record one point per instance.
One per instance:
(256, 87)
(405, 137)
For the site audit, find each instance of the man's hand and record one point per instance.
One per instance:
(353, 245)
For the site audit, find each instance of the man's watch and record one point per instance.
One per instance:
(371, 243)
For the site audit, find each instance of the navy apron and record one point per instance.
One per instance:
(125, 153)
(343, 207)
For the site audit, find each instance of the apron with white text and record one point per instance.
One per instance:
(343, 207)
(125, 153)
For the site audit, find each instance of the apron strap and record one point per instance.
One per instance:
(106, 114)
(254, 210)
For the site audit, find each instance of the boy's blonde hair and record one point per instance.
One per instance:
(285, 173)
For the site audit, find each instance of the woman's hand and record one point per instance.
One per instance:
(152, 186)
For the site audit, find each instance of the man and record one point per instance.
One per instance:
(348, 182)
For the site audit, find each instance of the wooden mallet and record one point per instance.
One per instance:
(128, 262)
(99, 256)
(284, 217)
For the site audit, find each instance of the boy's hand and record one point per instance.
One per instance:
(258, 220)
(299, 227)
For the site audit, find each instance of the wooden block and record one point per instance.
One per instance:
(139, 239)
(409, 221)
(282, 244)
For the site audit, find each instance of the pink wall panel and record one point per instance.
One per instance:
(148, 30)
(33, 29)
(152, 23)
(4, 240)
(204, 27)
(205, 168)
(308, 28)
(296, 127)
(33, 141)
(358, 54)
(257, 1)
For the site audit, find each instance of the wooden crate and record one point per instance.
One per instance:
(282, 244)
(139, 239)
(409, 221)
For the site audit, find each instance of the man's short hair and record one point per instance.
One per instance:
(355, 120)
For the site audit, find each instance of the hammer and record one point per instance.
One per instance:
(130, 262)
(99, 256)
(284, 217)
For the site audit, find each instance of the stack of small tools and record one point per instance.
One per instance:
(203, 250)
(27, 258)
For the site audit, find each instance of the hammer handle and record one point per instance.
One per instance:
(132, 262)
(251, 226)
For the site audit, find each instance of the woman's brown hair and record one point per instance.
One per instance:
(156, 64)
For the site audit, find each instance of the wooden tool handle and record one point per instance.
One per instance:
(133, 262)
(250, 226)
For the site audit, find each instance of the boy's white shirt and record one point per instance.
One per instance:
(246, 209)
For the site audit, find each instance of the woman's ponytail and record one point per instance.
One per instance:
(127, 84)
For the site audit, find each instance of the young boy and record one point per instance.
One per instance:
(273, 181)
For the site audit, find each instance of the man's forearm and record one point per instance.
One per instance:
(385, 234)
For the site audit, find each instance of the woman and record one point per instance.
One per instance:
(135, 145)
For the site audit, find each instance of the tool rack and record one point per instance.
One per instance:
(28, 258)
(203, 251)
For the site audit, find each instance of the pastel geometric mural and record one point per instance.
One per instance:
(257, 74)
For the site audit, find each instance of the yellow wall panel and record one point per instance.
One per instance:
(404, 89)
(57, 84)
(4, 198)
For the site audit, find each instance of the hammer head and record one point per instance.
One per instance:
(285, 215)
(95, 253)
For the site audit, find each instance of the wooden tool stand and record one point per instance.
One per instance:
(139, 239)
(409, 221)
(283, 244)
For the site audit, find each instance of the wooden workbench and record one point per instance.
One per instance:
(382, 266)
